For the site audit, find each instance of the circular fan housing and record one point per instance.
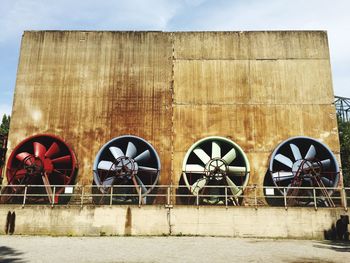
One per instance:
(41, 160)
(215, 161)
(305, 162)
(128, 161)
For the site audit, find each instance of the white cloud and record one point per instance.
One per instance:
(19, 15)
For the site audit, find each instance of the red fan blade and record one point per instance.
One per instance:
(63, 177)
(62, 160)
(53, 150)
(20, 173)
(24, 155)
(39, 150)
(47, 187)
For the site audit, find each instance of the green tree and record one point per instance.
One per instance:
(5, 124)
(344, 137)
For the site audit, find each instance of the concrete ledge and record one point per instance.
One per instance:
(88, 221)
(264, 222)
(270, 222)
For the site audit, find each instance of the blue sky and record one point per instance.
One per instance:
(173, 15)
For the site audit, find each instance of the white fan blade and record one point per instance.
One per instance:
(233, 187)
(194, 168)
(130, 150)
(143, 187)
(116, 152)
(326, 163)
(198, 185)
(284, 160)
(215, 150)
(295, 151)
(327, 182)
(106, 165)
(281, 176)
(230, 156)
(143, 157)
(202, 155)
(237, 170)
(149, 170)
(311, 153)
(109, 181)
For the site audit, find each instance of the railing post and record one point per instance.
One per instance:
(53, 196)
(82, 196)
(111, 196)
(197, 199)
(285, 198)
(345, 201)
(168, 195)
(255, 198)
(314, 194)
(24, 196)
(140, 196)
(226, 196)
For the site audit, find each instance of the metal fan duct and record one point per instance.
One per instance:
(301, 162)
(128, 167)
(43, 160)
(214, 164)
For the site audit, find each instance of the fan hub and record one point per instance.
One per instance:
(305, 167)
(126, 167)
(216, 169)
(33, 165)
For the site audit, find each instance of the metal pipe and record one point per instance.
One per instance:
(285, 198)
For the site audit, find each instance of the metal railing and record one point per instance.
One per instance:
(169, 195)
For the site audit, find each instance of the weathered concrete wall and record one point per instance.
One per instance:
(89, 87)
(90, 221)
(256, 88)
(305, 223)
(172, 89)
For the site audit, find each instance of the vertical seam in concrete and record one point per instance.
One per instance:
(172, 105)
(172, 125)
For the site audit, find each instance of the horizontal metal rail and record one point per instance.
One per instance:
(169, 195)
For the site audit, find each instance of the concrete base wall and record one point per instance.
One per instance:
(268, 222)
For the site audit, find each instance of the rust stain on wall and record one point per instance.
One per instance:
(172, 89)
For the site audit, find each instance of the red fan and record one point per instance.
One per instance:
(41, 160)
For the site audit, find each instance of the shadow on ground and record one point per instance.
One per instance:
(8, 254)
(339, 246)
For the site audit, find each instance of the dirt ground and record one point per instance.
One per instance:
(168, 249)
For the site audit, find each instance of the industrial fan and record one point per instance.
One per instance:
(304, 162)
(214, 165)
(41, 162)
(128, 168)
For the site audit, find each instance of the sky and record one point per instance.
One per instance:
(173, 15)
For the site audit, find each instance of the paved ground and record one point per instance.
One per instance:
(168, 249)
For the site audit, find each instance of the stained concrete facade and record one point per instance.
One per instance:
(172, 89)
